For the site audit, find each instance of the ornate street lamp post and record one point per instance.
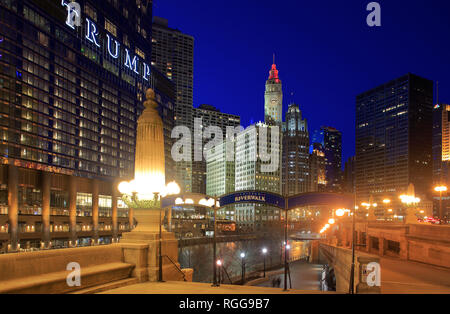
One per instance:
(264, 251)
(143, 194)
(441, 189)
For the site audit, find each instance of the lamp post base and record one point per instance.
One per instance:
(141, 247)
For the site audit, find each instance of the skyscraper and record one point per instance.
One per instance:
(331, 141)
(210, 116)
(295, 168)
(394, 139)
(441, 153)
(317, 176)
(173, 55)
(273, 98)
(220, 175)
(348, 184)
(249, 175)
(70, 97)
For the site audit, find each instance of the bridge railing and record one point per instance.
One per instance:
(340, 259)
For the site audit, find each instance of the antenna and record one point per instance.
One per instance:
(437, 91)
(273, 58)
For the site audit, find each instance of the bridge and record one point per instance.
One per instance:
(414, 258)
(304, 236)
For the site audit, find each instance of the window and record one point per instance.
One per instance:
(140, 53)
(84, 204)
(110, 27)
(90, 11)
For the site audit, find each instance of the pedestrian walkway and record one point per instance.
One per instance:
(406, 277)
(304, 276)
(192, 288)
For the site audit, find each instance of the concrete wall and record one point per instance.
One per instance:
(341, 259)
(46, 271)
(423, 243)
(429, 244)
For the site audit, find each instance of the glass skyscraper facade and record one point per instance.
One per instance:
(70, 96)
(394, 140)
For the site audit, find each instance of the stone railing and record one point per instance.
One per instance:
(341, 260)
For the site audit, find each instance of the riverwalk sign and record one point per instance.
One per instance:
(253, 197)
(332, 200)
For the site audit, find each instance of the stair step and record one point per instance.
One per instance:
(108, 286)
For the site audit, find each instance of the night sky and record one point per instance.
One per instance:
(325, 52)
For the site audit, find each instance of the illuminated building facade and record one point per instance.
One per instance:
(173, 55)
(210, 116)
(70, 97)
(296, 172)
(220, 175)
(394, 140)
(441, 153)
(317, 177)
(249, 176)
(273, 98)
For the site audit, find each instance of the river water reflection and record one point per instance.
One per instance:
(199, 257)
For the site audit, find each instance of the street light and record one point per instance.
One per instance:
(264, 251)
(340, 213)
(441, 189)
(219, 264)
(243, 268)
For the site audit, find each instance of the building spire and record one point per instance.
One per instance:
(274, 72)
(437, 91)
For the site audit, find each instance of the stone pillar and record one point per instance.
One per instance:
(73, 210)
(368, 244)
(46, 188)
(169, 220)
(13, 211)
(372, 216)
(344, 237)
(115, 224)
(382, 244)
(131, 218)
(95, 210)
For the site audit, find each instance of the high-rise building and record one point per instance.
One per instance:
(273, 98)
(349, 175)
(295, 168)
(317, 177)
(70, 97)
(394, 140)
(441, 154)
(210, 116)
(173, 55)
(220, 175)
(250, 175)
(331, 142)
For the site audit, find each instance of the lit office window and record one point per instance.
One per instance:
(110, 27)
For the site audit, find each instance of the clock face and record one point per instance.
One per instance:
(274, 100)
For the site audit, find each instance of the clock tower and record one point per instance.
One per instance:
(273, 97)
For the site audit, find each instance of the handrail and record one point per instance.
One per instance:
(176, 266)
(228, 276)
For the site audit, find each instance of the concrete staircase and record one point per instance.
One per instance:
(108, 286)
(45, 272)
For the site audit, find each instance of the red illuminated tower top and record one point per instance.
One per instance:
(273, 96)
(273, 74)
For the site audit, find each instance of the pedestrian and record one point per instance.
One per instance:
(278, 282)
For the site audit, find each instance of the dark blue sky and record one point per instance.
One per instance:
(325, 52)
